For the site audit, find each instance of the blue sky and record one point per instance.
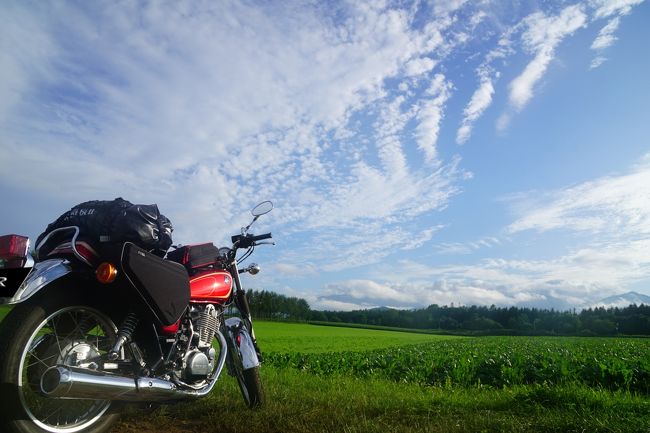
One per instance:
(474, 152)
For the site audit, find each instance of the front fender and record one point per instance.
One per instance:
(42, 274)
(235, 326)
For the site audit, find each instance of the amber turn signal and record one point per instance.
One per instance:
(106, 273)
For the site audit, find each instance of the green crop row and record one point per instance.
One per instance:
(616, 364)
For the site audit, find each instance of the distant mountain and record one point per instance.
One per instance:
(623, 300)
(381, 308)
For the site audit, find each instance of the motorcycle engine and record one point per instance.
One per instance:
(199, 360)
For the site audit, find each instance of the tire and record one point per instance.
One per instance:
(58, 327)
(249, 381)
(250, 385)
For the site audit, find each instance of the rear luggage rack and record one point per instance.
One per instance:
(73, 243)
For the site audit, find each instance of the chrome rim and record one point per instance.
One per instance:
(72, 336)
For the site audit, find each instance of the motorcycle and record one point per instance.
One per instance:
(86, 336)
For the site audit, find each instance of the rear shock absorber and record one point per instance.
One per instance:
(123, 335)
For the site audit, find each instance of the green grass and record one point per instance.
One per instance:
(299, 402)
(4, 310)
(616, 364)
(306, 338)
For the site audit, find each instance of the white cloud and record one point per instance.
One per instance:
(447, 7)
(606, 8)
(421, 238)
(294, 269)
(431, 114)
(248, 117)
(481, 100)
(604, 40)
(543, 34)
(606, 35)
(576, 279)
(467, 247)
(26, 56)
(613, 204)
(597, 61)
(419, 66)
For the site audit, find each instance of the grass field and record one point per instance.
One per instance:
(332, 379)
(335, 379)
(278, 337)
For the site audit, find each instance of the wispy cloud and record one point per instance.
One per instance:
(607, 8)
(452, 248)
(618, 205)
(481, 100)
(431, 114)
(542, 36)
(606, 36)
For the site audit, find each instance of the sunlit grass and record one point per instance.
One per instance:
(300, 402)
(306, 338)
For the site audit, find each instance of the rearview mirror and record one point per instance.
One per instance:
(262, 208)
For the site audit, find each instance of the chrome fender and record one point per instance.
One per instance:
(235, 326)
(42, 274)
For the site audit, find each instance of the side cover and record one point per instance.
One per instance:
(163, 285)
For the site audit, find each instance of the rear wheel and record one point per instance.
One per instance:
(37, 335)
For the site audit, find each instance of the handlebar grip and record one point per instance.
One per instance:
(262, 237)
(248, 240)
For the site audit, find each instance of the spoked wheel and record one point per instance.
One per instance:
(35, 338)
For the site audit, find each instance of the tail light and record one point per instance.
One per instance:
(13, 247)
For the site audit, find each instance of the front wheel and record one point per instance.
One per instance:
(248, 379)
(250, 385)
(56, 330)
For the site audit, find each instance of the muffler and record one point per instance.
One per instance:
(75, 383)
(62, 382)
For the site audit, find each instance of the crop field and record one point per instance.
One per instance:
(622, 364)
(333, 379)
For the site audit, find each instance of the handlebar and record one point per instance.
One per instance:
(245, 241)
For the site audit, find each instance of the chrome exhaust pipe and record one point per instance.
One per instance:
(62, 382)
(71, 383)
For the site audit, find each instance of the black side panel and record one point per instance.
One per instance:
(163, 284)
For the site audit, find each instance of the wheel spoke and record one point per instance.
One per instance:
(40, 361)
(68, 335)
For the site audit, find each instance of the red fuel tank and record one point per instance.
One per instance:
(211, 287)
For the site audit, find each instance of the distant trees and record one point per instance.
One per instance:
(271, 305)
(632, 320)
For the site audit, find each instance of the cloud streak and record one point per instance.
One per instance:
(542, 36)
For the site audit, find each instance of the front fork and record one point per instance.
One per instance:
(242, 305)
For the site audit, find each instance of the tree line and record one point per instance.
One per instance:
(631, 320)
(270, 305)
